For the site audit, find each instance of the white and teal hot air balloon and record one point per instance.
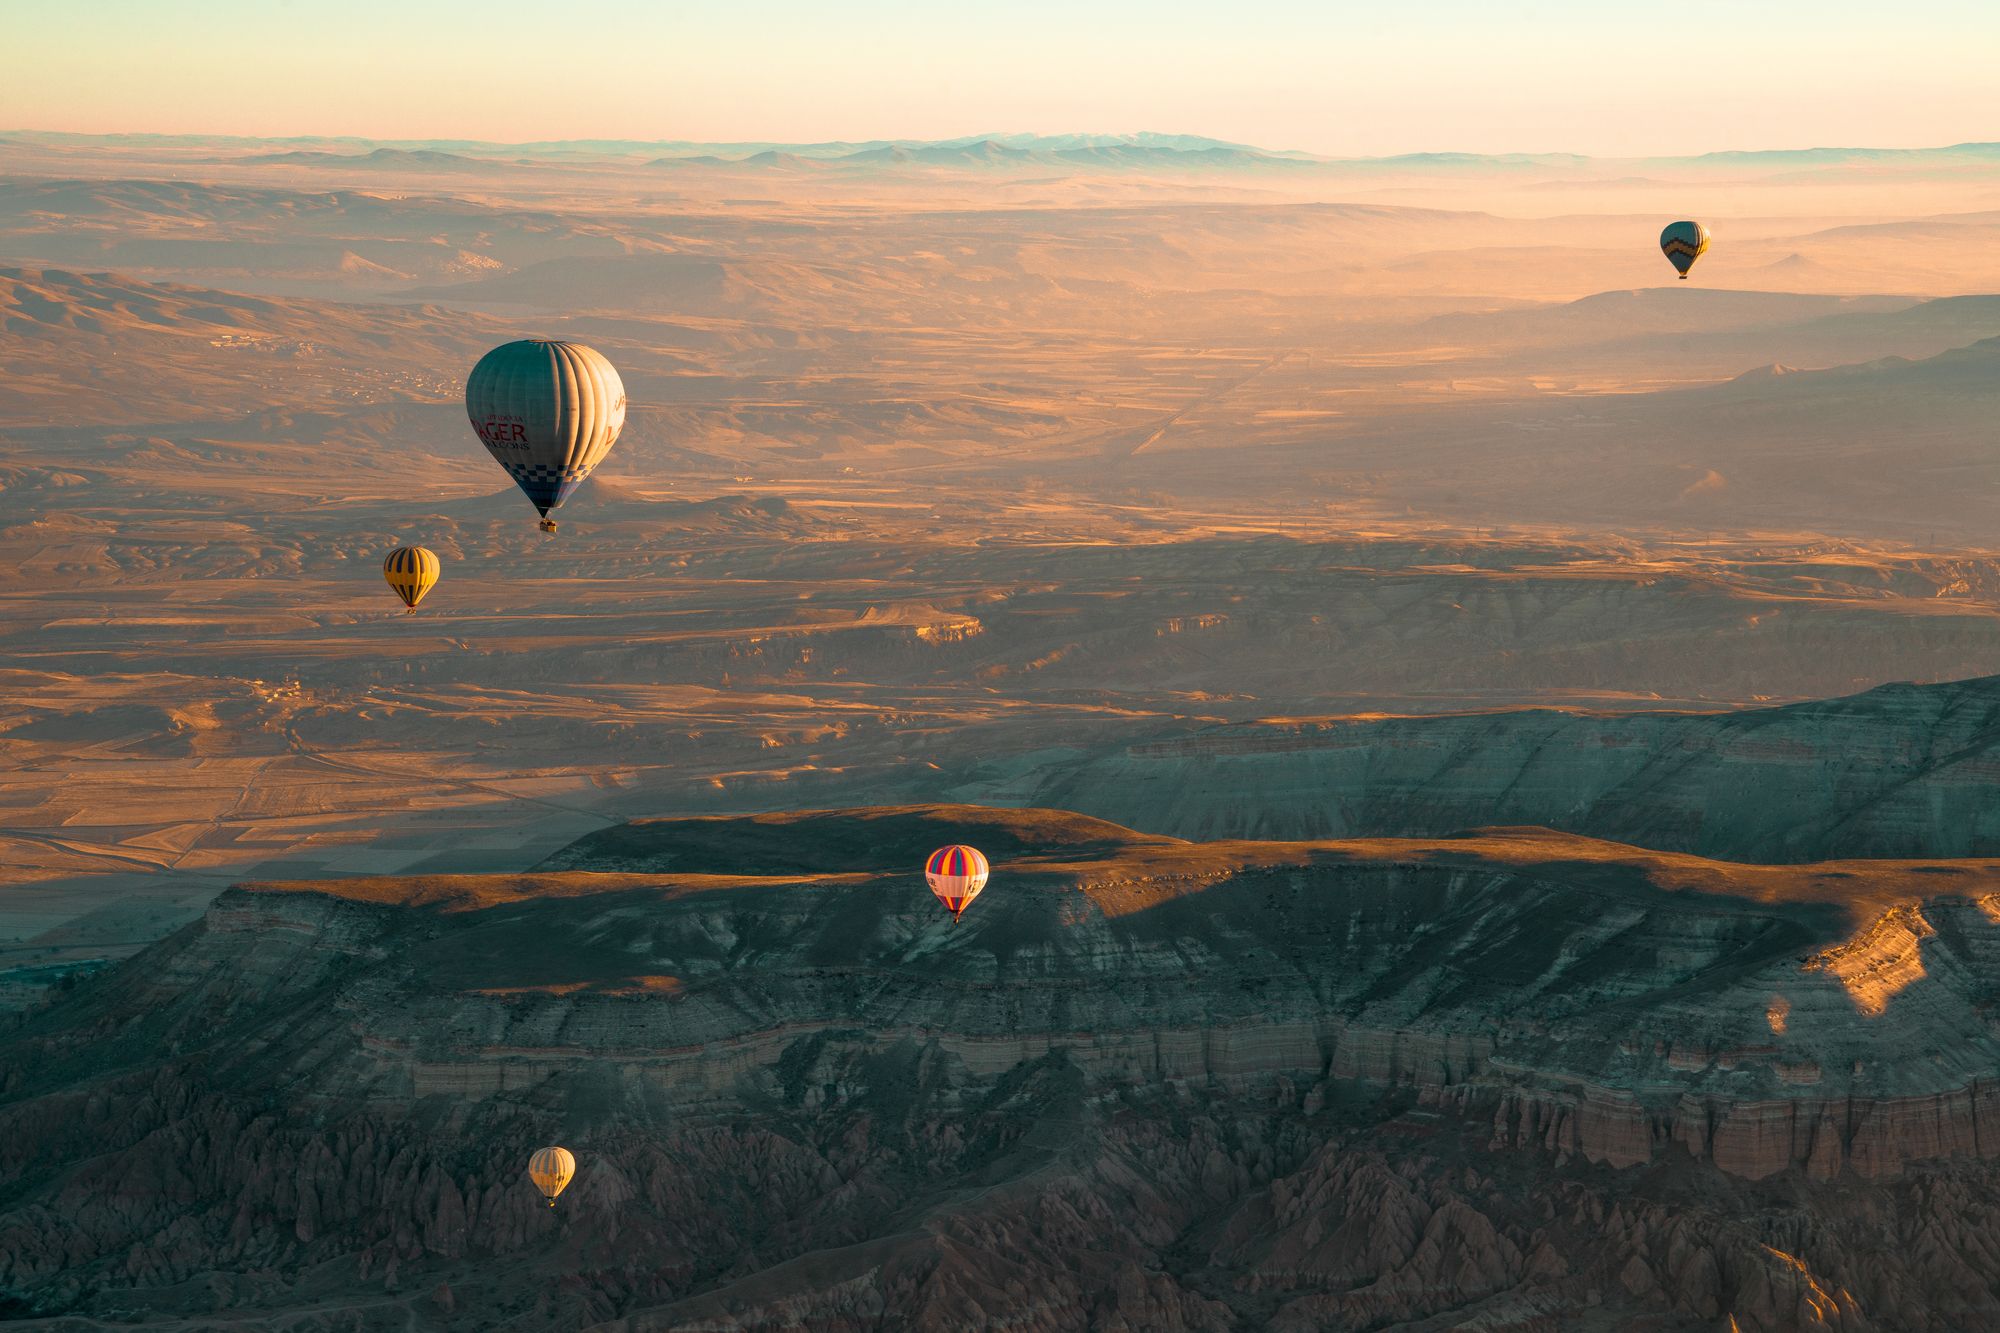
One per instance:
(1683, 243)
(548, 412)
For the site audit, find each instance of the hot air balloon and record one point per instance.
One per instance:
(956, 874)
(411, 571)
(548, 412)
(1683, 243)
(551, 1169)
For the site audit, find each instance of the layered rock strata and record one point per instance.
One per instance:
(1903, 770)
(1515, 1081)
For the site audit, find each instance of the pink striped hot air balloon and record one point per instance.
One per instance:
(956, 874)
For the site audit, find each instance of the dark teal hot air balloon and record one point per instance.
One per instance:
(548, 412)
(1683, 243)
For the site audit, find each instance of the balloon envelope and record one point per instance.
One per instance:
(551, 1169)
(548, 412)
(1683, 243)
(412, 571)
(956, 874)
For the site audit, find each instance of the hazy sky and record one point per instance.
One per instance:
(1599, 76)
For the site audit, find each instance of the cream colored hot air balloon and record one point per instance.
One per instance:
(956, 874)
(551, 1169)
(412, 571)
(548, 412)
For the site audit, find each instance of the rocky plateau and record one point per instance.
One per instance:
(1510, 1080)
(1900, 770)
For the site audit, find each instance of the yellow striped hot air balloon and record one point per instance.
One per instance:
(412, 571)
(551, 1169)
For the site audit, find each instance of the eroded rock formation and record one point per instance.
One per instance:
(1902, 770)
(1516, 1081)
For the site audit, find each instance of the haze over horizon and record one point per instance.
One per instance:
(1338, 80)
(1010, 136)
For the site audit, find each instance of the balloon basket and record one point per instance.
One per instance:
(548, 525)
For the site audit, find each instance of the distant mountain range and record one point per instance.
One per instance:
(1000, 151)
(415, 159)
(1146, 149)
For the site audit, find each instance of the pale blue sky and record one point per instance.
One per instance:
(1605, 77)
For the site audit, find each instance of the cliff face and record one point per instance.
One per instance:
(1519, 1081)
(1904, 770)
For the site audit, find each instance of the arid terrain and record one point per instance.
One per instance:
(1218, 493)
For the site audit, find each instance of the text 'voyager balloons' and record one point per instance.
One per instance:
(551, 1169)
(548, 412)
(956, 874)
(412, 571)
(1683, 243)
